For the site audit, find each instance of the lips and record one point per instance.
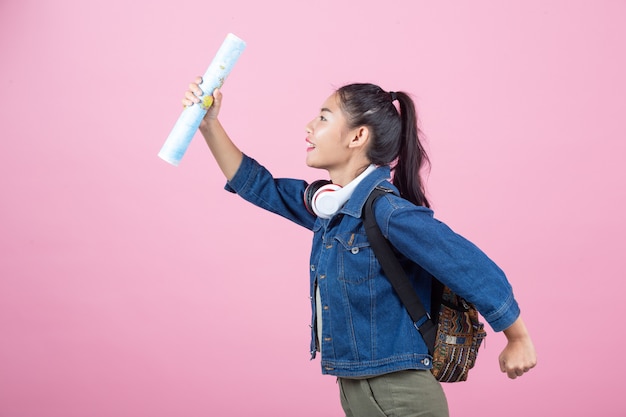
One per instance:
(310, 145)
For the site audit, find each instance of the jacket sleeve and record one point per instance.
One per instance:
(452, 259)
(283, 196)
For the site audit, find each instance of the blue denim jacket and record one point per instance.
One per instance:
(366, 330)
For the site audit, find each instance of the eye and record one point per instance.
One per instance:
(322, 118)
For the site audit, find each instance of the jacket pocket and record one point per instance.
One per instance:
(354, 257)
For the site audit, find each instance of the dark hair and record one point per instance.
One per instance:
(394, 137)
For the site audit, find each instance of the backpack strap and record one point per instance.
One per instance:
(395, 273)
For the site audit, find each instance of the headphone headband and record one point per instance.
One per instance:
(324, 199)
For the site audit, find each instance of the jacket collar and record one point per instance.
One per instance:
(380, 176)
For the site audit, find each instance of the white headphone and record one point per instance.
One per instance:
(324, 199)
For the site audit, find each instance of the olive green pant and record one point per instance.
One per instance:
(399, 394)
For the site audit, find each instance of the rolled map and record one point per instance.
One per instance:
(189, 120)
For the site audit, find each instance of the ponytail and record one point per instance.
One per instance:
(412, 156)
(394, 135)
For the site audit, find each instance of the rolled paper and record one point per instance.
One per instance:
(189, 120)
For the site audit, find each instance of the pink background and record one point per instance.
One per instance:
(132, 288)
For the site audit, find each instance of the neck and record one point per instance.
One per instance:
(347, 175)
(350, 185)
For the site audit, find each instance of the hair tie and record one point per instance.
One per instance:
(393, 95)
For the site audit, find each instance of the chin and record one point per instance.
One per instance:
(310, 163)
(313, 163)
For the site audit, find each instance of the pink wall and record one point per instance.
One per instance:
(132, 288)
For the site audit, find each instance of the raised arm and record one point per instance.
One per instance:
(225, 152)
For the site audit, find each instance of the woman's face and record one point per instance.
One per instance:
(328, 137)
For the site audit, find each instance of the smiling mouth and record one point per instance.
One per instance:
(309, 145)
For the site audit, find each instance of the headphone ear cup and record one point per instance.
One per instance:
(328, 199)
(310, 191)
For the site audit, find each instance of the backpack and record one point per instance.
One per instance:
(453, 333)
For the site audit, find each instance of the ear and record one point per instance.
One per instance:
(360, 136)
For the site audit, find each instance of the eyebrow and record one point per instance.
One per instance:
(323, 109)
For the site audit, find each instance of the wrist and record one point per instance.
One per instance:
(516, 331)
(209, 126)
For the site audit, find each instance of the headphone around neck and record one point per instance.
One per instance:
(324, 199)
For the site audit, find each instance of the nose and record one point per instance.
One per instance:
(308, 127)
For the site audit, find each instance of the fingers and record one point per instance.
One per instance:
(193, 93)
(190, 99)
(512, 372)
(210, 103)
(515, 371)
(217, 95)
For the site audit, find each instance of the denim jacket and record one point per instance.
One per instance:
(366, 331)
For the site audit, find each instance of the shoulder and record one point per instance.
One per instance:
(392, 211)
(388, 199)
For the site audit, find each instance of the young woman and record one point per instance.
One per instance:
(364, 334)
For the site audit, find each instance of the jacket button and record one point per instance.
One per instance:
(312, 267)
(322, 276)
(426, 361)
(354, 251)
